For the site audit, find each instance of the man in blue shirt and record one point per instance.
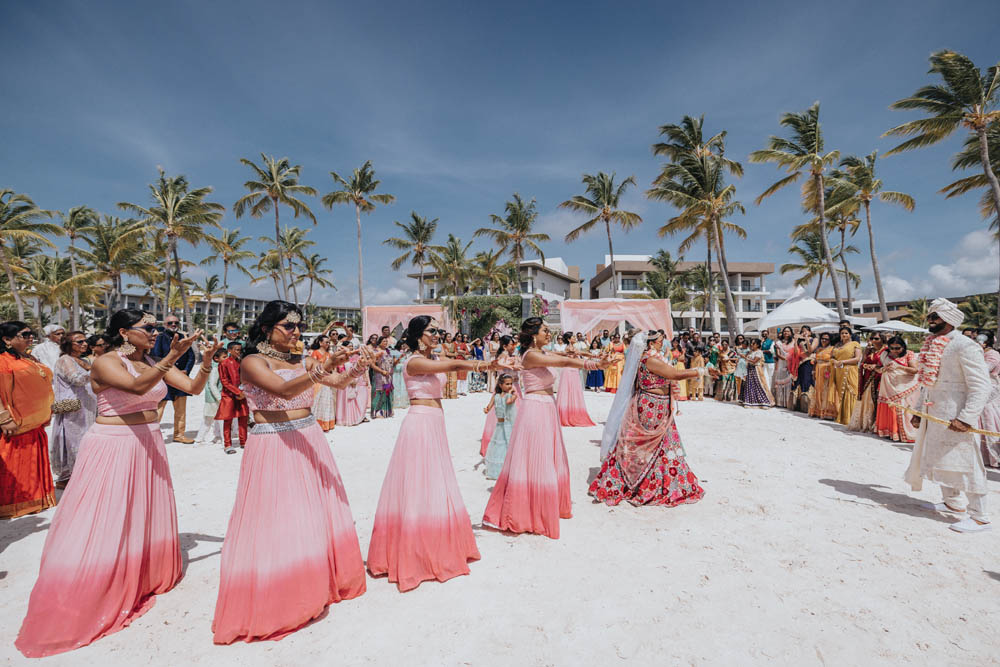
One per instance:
(767, 347)
(185, 363)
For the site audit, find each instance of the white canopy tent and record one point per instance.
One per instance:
(897, 327)
(799, 309)
(588, 315)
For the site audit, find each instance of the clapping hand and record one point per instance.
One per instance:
(209, 347)
(366, 358)
(336, 358)
(180, 345)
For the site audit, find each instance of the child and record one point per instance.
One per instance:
(233, 404)
(211, 430)
(502, 402)
(696, 388)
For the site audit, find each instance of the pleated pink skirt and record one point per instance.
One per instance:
(488, 429)
(112, 544)
(291, 548)
(352, 405)
(532, 492)
(422, 530)
(569, 400)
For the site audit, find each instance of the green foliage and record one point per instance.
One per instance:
(485, 311)
(980, 312)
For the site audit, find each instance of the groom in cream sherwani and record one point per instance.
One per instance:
(955, 387)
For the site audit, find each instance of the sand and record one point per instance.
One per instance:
(808, 548)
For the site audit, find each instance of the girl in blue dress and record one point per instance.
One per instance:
(503, 403)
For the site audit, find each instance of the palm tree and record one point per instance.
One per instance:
(116, 248)
(228, 247)
(269, 267)
(21, 219)
(694, 181)
(209, 290)
(491, 272)
(293, 247)
(966, 98)
(858, 176)
(452, 267)
(275, 182)
(179, 214)
(700, 281)
(667, 281)
(917, 312)
(602, 201)
(314, 271)
(968, 158)
(360, 191)
(76, 224)
(512, 232)
(416, 244)
(980, 312)
(812, 265)
(841, 216)
(803, 151)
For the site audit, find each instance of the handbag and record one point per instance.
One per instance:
(66, 405)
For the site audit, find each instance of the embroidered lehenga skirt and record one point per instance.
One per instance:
(647, 465)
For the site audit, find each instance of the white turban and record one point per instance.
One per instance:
(51, 328)
(947, 311)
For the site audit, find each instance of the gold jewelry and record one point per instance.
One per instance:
(126, 349)
(148, 318)
(268, 351)
(293, 317)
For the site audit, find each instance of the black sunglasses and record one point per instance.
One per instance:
(438, 332)
(149, 328)
(26, 334)
(292, 326)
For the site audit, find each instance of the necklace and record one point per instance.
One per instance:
(268, 351)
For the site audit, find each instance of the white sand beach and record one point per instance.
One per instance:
(808, 548)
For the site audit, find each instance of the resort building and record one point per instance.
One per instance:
(239, 309)
(746, 280)
(552, 280)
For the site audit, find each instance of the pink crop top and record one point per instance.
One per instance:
(260, 399)
(113, 402)
(537, 379)
(423, 385)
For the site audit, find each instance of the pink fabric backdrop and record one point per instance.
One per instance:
(586, 316)
(375, 317)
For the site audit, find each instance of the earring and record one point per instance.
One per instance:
(126, 348)
(423, 346)
(264, 347)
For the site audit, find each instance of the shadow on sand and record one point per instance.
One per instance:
(894, 502)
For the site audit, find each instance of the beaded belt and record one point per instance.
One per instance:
(281, 427)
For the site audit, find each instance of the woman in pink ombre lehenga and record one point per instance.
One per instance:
(422, 530)
(291, 548)
(532, 492)
(353, 400)
(113, 545)
(508, 348)
(569, 399)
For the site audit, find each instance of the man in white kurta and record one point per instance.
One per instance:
(48, 351)
(955, 387)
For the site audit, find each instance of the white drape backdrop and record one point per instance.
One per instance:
(585, 316)
(373, 318)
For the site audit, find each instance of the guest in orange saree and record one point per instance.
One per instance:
(26, 396)
(899, 387)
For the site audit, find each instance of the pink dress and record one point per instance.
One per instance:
(422, 530)
(113, 542)
(291, 548)
(569, 400)
(353, 401)
(532, 492)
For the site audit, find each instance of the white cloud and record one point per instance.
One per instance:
(975, 269)
(898, 289)
(393, 295)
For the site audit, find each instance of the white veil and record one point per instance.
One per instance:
(626, 385)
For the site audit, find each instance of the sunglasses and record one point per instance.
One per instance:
(26, 334)
(149, 328)
(79, 342)
(232, 332)
(292, 326)
(171, 324)
(436, 332)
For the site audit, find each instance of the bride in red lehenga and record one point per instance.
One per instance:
(643, 458)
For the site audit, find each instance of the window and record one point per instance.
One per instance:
(630, 283)
(745, 285)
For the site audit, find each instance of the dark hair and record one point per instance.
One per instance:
(595, 341)
(123, 319)
(92, 340)
(850, 332)
(566, 337)
(219, 353)
(740, 337)
(829, 338)
(414, 330)
(505, 341)
(896, 340)
(317, 343)
(990, 337)
(380, 339)
(234, 343)
(66, 346)
(529, 328)
(754, 342)
(229, 325)
(790, 332)
(10, 330)
(274, 312)
(505, 376)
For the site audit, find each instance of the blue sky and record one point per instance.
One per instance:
(461, 104)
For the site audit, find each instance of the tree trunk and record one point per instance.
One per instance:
(875, 270)
(361, 295)
(847, 274)
(826, 247)
(311, 283)
(819, 283)
(708, 305)
(720, 250)
(611, 254)
(181, 288)
(13, 286)
(281, 255)
(225, 293)
(166, 295)
(984, 157)
(420, 285)
(76, 290)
